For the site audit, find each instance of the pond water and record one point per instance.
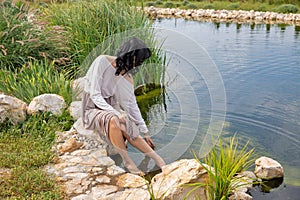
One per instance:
(241, 78)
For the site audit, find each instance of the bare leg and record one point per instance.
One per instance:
(143, 146)
(116, 138)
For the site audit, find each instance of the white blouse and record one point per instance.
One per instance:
(101, 83)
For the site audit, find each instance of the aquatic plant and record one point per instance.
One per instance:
(224, 162)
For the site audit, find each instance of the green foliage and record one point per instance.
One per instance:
(185, 2)
(233, 6)
(150, 3)
(35, 79)
(23, 39)
(159, 2)
(287, 8)
(208, 6)
(191, 6)
(26, 184)
(25, 148)
(169, 4)
(262, 7)
(89, 24)
(223, 163)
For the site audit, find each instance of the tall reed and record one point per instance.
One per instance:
(89, 23)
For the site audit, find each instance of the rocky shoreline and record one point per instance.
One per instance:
(85, 169)
(237, 16)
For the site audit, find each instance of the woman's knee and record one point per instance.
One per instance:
(114, 123)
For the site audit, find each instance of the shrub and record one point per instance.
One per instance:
(23, 38)
(150, 3)
(233, 6)
(262, 7)
(287, 8)
(185, 2)
(208, 6)
(35, 79)
(159, 2)
(169, 4)
(191, 6)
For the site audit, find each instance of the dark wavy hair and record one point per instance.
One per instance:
(131, 54)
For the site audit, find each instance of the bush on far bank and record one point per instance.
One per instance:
(287, 8)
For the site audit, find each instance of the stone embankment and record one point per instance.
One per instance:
(238, 16)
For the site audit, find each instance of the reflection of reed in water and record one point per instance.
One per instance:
(150, 95)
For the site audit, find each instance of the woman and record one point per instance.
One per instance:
(109, 104)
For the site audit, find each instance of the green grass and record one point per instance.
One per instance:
(25, 148)
(227, 159)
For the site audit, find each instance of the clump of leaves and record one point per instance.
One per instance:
(223, 163)
(35, 79)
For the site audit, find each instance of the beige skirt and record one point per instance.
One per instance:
(98, 120)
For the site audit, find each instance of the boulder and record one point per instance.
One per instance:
(75, 109)
(47, 103)
(170, 183)
(69, 145)
(77, 88)
(132, 194)
(267, 168)
(130, 181)
(12, 108)
(240, 196)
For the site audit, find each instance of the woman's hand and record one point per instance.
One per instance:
(149, 141)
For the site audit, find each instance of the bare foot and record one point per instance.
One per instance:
(134, 170)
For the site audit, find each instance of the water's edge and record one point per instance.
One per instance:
(237, 16)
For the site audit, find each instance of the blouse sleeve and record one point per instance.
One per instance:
(128, 103)
(136, 115)
(94, 80)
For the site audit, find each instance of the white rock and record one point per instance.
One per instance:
(267, 168)
(102, 191)
(75, 109)
(168, 184)
(115, 170)
(130, 181)
(103, 179)
(47, 103)
(77, 88)
(12, 108)
(240, 196)
(73, 187)
(69, 145)
(78, 126)
(132, 194)
(76, 176)
(82, 197)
